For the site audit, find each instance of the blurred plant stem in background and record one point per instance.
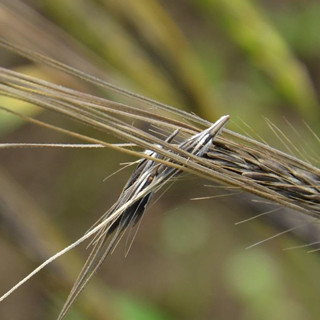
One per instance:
(141, 41)
(249, 29)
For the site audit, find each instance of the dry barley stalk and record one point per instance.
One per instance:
(235, 159)
(232, 158)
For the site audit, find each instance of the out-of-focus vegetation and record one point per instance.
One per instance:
(250, 59)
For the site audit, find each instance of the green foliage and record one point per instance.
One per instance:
(131, 308)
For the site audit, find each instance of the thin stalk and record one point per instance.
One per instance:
(236, 161)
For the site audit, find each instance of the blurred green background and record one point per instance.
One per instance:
(250, 59)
